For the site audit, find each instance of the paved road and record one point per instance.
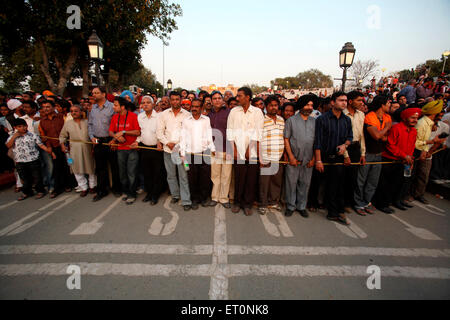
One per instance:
(162, 252)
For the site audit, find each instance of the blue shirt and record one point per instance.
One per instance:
(332, 132)
(99, 120)
(410, 93)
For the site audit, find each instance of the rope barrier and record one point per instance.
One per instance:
(207, 155)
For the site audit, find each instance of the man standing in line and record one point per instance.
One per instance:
(399, 147)
(272, 149)
(221, 165)
(356, 151)
(423, 144)
(152, 161)
(377, 124)
(244, 130)
(299, 142)
(409, 92)
(333, 135)
(50, 126)
(81, 153)
(168, 133)
(196, 144)
(124, 130)
(98, 128)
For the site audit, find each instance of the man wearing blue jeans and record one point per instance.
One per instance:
(124, 130)
(168, 132)
(376, 128)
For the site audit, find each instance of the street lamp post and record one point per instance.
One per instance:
(275, 88)
(169, 85)
(95, 46)
(445, 54)
(346, 57)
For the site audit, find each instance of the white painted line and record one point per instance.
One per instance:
(8, 204)
(427, 208)
(107, 248)
(436, 208)
(157, 226)
(283, 226)
(418, 232)
(90, 228)
(270, 227)
(218, 289)
(240, 270)
(345, 230)
(356, 229)
(339, 251)
(19, 225)
(146, 249)
(336, 271)
(102, 269)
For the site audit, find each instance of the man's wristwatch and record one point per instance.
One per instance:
(123, 132)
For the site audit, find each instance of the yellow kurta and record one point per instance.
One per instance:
(81, 153)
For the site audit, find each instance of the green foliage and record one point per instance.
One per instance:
(309, 79)
(256, 89)
(144, 78)
(40, 26)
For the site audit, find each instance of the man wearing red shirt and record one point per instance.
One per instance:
(124, 129)
(399, 147)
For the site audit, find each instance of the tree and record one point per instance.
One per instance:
(309, 79)
(362, 70)
(121, 25)
(256, 89)
(144, 78)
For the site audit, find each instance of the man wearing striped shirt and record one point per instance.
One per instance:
(272, 148)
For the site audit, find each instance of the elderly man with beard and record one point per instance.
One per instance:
(299, 141)
(81, 153)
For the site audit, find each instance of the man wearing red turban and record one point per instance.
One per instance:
(399, 149)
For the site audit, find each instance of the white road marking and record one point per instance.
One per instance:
(345, 230)
(239, 270)
(283, 226)
(8, 204)
(107, 248)
(270, 227)
(428, 208)
(102, 269)
(336, 271)
(20, 225)
(436, 208)
(353, 230)
(169, 228)
(218, 289)
(147, 249)
(339, 251)
(90, 228)
(356, 229)
(418, 232)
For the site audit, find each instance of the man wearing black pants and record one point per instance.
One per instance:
(333, 136)
(151, 161)
(244, 130)
(98, 127)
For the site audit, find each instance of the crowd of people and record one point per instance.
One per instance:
(358, 150)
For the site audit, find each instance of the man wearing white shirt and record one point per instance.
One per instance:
(30, 109)
(152, 161)
(244, 130)
(168, 133)
(196, 140)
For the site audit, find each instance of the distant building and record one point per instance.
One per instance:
(213, 87)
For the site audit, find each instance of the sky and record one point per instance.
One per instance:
(255, 41)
